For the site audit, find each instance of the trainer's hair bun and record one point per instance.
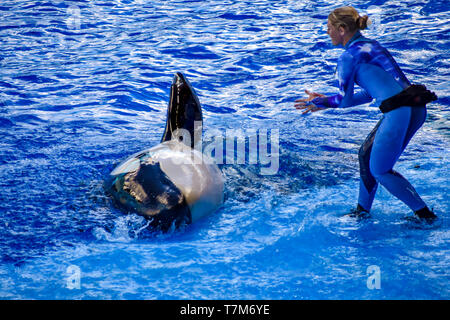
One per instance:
(362, 22)
(349, 18)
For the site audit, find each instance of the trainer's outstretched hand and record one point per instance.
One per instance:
(305, 103)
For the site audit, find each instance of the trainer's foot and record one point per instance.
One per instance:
(359, 212)
(426, 214)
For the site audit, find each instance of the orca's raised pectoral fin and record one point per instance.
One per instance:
(184, 113)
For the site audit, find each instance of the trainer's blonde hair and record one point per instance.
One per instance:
(348, 18)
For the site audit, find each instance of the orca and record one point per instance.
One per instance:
(172, 183)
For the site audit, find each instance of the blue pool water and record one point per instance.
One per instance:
(84, 84)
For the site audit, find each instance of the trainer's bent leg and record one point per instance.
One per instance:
(391, 139)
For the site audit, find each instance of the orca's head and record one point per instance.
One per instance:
(184, 112)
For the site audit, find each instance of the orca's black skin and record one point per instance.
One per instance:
(183, 110)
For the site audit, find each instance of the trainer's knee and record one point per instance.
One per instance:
(378, 171)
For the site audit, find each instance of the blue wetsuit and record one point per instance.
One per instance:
(369, 65)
